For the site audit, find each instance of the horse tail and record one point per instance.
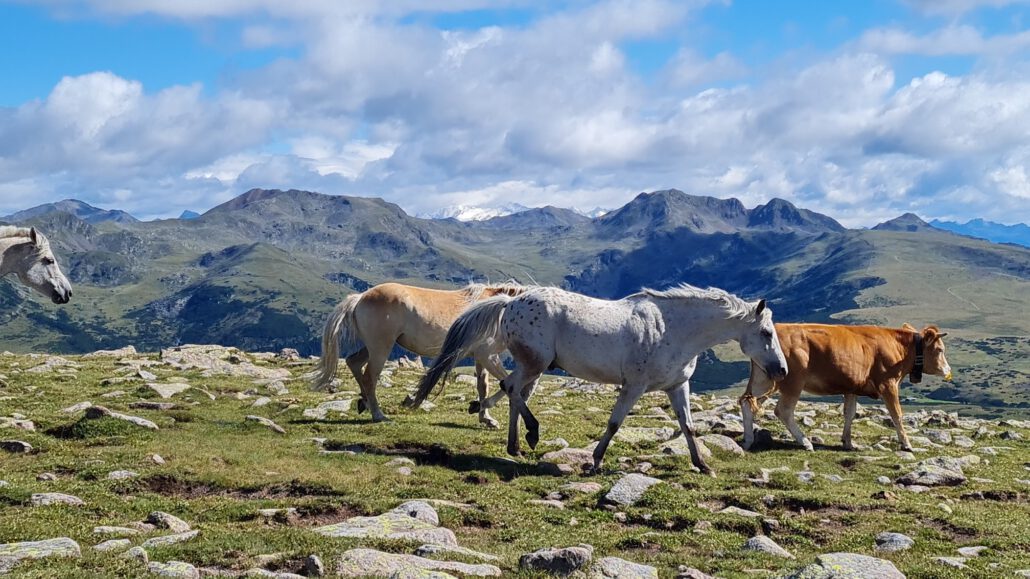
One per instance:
(478, 323)
(339, 333)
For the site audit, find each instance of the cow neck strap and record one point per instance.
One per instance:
(917, 367)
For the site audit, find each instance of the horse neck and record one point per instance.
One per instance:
(6, 243)
(702, 323)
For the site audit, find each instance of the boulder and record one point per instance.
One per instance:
(893, 542)
(372, 563)
(764, 544)
(413, 520)
(848, 566)
(561, 562)
(616, 568)
(628, 490)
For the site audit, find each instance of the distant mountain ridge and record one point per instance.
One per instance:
(996, 232)
(80, 209)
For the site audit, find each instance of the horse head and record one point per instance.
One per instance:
(759, 342)
(35, 265)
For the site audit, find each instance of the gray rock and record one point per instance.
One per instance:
(77, 407)
(583, 457)
(848, 566)
(954, 562)
(266, 422)
(46, 477)
(173, 569)
(163, 520)
(938, 436)
(113, 545)
(372, 563)
(582, 487)
(313, 566)
(44, 499)
(168, 390)
(122, 474)
(731, 510)
(218, 361)
(722, 442)
(692, 573)
(629, 489)
(931, 476)
(116, 531)
(98, 412)
(883, 480)
(962, 441)
(893, 542)
(616, 568)
(166, 540)
(427, 550)
(561, 562)
(413, 520)
(972, 551)
(638, 434)
(951, 463)
(322, 411)
(764, 544)
(137, 553)
(15, 446)
(13, 553)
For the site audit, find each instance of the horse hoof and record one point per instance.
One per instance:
(532, 438)
(473, 407)
(489, 423)
(381, 419)
(362, 406)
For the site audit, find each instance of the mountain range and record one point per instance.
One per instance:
(1018, 233)
(263, 270)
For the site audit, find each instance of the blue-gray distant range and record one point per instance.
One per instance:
(263, 270)
(1018, 233)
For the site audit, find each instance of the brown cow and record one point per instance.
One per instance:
(851, 361)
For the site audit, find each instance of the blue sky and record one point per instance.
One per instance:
(862, 110)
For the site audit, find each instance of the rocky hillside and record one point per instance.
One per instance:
(214, 461)
(263, 270)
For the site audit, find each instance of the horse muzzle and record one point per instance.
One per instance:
(776, 372)
(61, 297)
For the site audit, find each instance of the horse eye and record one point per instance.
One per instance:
(766, 334)
(48, 261)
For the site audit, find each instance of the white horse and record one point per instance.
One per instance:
(26, 253)
(646, 342)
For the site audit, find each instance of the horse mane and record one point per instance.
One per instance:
(731, 304)
(14, 231)
(474, 291)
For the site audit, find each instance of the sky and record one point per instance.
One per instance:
(860, 109)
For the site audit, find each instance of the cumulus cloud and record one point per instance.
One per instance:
(547, 112)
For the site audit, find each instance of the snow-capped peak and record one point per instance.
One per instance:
(472, 213)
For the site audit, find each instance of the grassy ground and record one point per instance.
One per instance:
(220, 470)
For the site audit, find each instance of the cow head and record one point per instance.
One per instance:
(933, 352)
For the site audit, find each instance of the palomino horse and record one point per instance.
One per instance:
(367, 325)
(851, 361)
(26, 253)
(646, 342)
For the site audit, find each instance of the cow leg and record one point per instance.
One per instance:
(850, 407)
(628, 396)
(481, 386)
(893, 402)
(679, 398)
(785, 412)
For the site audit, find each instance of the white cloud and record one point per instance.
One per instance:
(956, 39)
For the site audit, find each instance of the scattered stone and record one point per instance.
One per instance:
(552, 503)
(46, 477)
(692, 573)
(288, 355)
(116, 531)
(427, 550)
(638, 434)
(118, 353)
(883, 480)
(266, 422)
(413, 520)
(218, 361)
(322, 411)
(561, 562)
(971, 551)
(954, 562)
(732, 510)
(848, 565)
(137, 553)
(163, 520)
(628, 490)
(77, 407)
(15, 446)
(167, 390)
(157, 459)
(313, 566)
(113, 545)
(963, 441)
(582, 487)
(557, 442)
(122, 474)
(44, 499)
(13, 553)
(893, 542)
(616, 568)
(97, 412)
(764, 544)
(165, 540)
(369, 562)
(580, 457)
(173, 569)
(722, 442)
(930, 476)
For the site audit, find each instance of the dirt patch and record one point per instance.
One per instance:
(172, 486)
(320, 515)
(954, 533)
(1003, 496)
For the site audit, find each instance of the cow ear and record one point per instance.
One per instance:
(942, 334)
(34, 236)
(760, 307)
(908, 326)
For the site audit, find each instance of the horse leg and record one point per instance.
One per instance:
(850, 408)
(679, 398)
(493, 365)
(376, 360)
(481, 386)
(532, 425)
(356, 363)
(892, 400)
(758, 385)
(628, 396)
(785, 412)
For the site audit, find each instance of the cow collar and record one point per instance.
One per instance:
(916, 376)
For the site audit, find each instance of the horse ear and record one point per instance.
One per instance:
(33, 235)
(942, 334)
(760, 307)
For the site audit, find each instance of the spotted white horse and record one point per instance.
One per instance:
(646, 342)
(26, 252)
